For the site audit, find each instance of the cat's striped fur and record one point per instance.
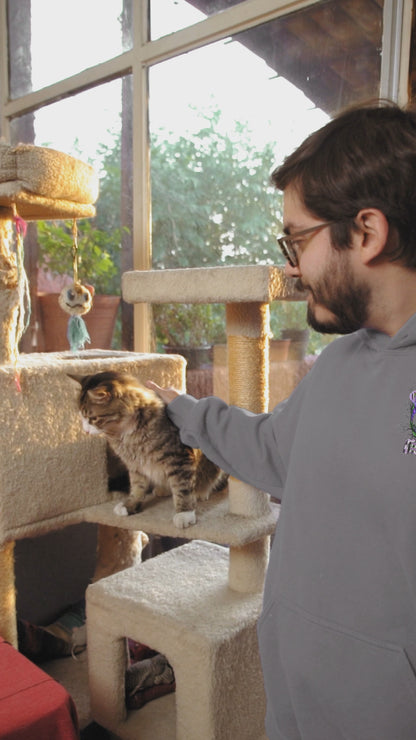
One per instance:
(134, 421)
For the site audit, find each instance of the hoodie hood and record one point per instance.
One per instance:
(379, 341)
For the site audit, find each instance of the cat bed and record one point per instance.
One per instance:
(45, 184)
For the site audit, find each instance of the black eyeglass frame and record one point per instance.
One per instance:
(286, 243)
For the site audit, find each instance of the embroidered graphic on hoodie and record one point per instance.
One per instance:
(410, 444)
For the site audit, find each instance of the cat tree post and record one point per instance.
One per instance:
(9, 303)
(7, 594)
(9, 294)
(248, 329)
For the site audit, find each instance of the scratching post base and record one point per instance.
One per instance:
(179, 603)
(7, 595)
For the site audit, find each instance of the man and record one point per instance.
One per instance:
(337, 633)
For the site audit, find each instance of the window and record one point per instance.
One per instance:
(236, 82)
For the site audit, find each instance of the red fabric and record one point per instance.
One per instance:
(32, 705)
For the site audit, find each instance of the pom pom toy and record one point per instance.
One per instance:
(76, 299)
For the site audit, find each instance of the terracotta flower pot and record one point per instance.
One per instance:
(196, 357)
(279, 350)
(100, 322)
(299, 339)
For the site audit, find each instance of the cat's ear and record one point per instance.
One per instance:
(77, 378)
(99, 395)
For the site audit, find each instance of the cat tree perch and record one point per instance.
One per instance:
(247, 292)
(35, 183)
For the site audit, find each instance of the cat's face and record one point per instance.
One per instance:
(88, 426)
(109, 400)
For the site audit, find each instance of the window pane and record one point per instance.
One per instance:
(82, 124)
(167, 16)
(223, 116)
(52, 40)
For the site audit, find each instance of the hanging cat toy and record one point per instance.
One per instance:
(76, 299)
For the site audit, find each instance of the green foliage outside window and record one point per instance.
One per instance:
(212, 204)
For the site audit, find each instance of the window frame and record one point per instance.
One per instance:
(397, 22)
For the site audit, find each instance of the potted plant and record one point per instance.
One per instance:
(189, 329)
(98, 265)
(289, 329)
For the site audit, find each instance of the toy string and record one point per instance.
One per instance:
(77, 332)
(75, 251)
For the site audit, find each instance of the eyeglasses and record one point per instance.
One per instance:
(288, 244)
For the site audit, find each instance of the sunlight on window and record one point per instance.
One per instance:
(79, 34)
(62, 124)
(167, 16)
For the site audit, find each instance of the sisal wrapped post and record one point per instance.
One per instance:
(8, 627)
(248, 372)
(9, 296)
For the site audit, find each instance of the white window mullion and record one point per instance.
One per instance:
(142, 257)
(234, 20)
(88, 78)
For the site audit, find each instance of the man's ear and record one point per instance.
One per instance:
(373, 235)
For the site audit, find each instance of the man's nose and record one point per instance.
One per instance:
(291, 271)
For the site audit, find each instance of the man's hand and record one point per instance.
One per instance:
(166, 394)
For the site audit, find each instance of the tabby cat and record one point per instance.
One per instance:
(134, 421)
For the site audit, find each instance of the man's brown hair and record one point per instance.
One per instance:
(363, 158)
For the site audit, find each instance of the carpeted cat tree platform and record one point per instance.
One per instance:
(197, 604)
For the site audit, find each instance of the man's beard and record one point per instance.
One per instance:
(338, 291)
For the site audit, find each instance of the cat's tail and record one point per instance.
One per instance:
(222, 482)
(209, 477)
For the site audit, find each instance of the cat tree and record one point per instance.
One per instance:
(197, 604)
(52, 475)
(204, 596)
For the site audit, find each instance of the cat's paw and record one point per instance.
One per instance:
(120, 509)
(184, 519)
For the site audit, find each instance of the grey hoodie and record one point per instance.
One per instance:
(337, 633)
